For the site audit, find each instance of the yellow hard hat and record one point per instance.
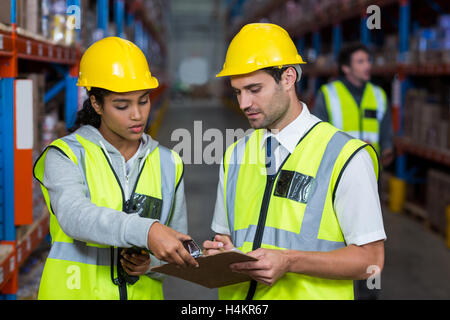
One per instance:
(258, 46)
(117, 65)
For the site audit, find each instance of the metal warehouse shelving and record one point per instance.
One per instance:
(407, 146)
(388, 70)
(15, 161)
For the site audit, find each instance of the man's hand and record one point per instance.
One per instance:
(135, 264)
(166, 244)
(222, 242)
(271, 265)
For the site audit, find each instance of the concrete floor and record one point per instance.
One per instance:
(200, 180)
(417, 262)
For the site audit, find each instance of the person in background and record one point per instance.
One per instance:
(355, 105)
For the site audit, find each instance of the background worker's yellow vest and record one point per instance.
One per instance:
(80, 270)
(297, 204)
(360, 122)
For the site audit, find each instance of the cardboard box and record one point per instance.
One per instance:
(33, 16)
(443, 135)
(438, 197)
(5, 13)
(38, 107)
(27, 14)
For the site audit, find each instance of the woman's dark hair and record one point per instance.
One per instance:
(87, 114)
(345, 55)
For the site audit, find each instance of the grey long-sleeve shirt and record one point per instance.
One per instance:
(80, 219)
(386, 131)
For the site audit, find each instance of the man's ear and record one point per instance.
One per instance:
(345, 69)
(289, 77)
(95, 105)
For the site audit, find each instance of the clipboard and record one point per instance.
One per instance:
(213, 271)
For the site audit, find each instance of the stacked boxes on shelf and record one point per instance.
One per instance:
(431, 45)
(387, 54)
(38, 115)
(44, 25)
(426, 120)
(45, 19)
(27, 13)
(38, 144)
(438, 198)
(426, 123)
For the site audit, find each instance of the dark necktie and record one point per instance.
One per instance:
(271, 164)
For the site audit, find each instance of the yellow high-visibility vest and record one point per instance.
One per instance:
(361, 122)
(292, 210)
(78, 270)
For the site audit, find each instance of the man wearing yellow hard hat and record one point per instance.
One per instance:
(288, 193)
(114, 193)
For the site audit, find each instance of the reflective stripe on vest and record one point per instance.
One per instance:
(78, 251)
(335, 107)
(79, 153)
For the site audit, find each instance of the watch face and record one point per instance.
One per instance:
(192, 248)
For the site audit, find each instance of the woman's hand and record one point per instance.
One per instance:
(166, 244)
(135, 264)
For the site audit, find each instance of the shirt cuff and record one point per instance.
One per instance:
(137, 231)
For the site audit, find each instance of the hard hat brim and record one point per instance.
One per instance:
(152, 83)
(240, 71)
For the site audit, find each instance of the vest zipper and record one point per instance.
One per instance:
(260, 228)
(263, 212)
(126, 177)
(121, 283)
(117, 281)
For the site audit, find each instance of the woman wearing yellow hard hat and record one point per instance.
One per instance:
(115, 195)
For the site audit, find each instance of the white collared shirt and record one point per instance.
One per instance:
(357, 203)
(290, 135)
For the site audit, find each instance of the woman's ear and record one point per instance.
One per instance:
(95, 105)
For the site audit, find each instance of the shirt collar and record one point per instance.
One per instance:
(289, 136)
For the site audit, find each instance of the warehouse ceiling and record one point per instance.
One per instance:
(197, 18)
(196, 40)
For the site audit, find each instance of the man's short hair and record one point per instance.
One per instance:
(345, 55)
(277, 72)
